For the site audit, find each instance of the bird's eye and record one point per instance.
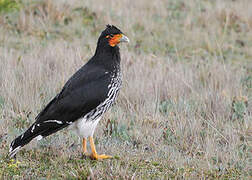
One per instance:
(110, 36)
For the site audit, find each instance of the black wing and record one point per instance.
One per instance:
(84, 91)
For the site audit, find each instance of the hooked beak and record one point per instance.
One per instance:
(124, 39)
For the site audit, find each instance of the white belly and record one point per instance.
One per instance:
(85, 128)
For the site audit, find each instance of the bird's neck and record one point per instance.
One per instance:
(108, 56)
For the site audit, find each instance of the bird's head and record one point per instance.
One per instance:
(113, 36)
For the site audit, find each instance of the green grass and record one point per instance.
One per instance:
(185, 108)
(46, 164)
(9, 6)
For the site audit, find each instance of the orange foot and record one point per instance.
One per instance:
(98, 157)
(94, 154)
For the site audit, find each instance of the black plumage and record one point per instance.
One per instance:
(86, 95)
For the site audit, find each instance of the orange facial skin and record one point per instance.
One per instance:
(114, 40)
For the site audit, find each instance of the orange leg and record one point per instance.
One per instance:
(94, 154)
(84, 145)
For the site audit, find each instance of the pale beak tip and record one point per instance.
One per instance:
(125, 39)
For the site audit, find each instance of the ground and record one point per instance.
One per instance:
(185, 109)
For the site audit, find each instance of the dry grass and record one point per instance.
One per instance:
(185, 110)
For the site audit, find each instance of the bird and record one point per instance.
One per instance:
(84, 98)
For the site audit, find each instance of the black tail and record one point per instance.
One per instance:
(36, 130)
(23, 139)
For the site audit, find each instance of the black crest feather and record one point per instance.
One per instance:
(111, 29)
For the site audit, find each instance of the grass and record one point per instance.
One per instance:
(185, 109)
